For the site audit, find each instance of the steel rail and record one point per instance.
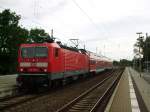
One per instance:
(112, 86)
(23, 99)
(15, 101)
(73, 102)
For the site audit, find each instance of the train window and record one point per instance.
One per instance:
(41, 52)
(56, 52)
(30, 52)
(92, 62)
(27, 52)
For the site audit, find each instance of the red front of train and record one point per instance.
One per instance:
(43, 63)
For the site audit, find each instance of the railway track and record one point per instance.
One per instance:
(90, 100)
(8, 103)
(8, 93)
(19, 98)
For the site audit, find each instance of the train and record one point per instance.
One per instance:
(51, 63)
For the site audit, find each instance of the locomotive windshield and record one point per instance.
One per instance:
(30, 52)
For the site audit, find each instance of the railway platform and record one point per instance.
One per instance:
(132, 93)
(7, 83)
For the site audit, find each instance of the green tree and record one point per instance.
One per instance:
(140, 45)
(37, 35)
(139, 52)
(143, 48)
(146, 53)
(116, 63)
(122, 63)
(11, 36)
(146, 49)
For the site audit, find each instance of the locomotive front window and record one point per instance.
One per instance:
(30, 52)
(41, 52)
(27, 52)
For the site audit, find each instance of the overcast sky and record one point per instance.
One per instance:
(109, 26)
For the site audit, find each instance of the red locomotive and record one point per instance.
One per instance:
(51, 62)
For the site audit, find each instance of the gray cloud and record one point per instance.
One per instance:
(111, 28)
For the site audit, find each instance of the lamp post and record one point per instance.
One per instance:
(140, 66)
(139, 54)
(134, 62)
(147, 53)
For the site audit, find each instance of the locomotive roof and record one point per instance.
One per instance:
(69, 48)
(54, 44)
(83, 51)
(40, 44)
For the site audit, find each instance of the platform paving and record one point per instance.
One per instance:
(132, 93)
(7, 84)
(121, 98)
(143, 85)
(7, 81)
(146, 76)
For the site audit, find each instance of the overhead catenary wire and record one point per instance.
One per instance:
(81, 9)
(36, 6)
(105, 32)
(88, 17)
(36, 9)
(31, 20)
(25, 18)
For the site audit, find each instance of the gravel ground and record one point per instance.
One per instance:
(56, 99)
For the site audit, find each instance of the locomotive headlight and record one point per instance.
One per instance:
(42, 64)
(21, 69)
(25, 64)
(45, 70)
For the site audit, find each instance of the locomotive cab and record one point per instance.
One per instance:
(38, 63)
(33, 63)
(33, 59)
